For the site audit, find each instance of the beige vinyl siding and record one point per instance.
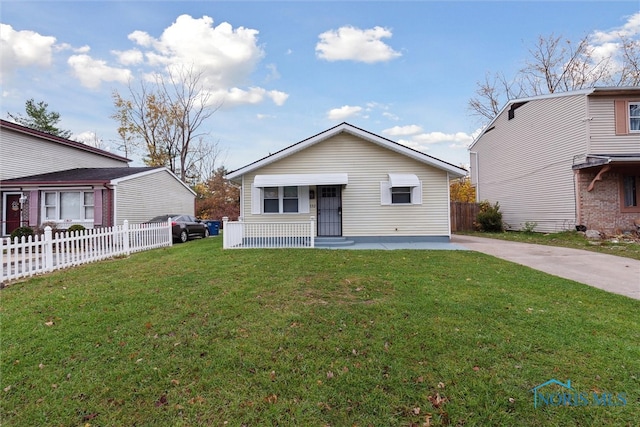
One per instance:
(603, 133)
(23, 155)
(367, 164)
(525, 163)
(142, 197)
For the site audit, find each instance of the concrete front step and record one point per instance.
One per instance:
(332, 242)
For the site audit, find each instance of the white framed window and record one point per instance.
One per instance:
(401, 189)
(68, 205)
(634, 117)
(279, 200)
(400, 195)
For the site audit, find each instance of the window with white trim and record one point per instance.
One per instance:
(634, 117)
(401, 189)
(279, 200)
(400, 195)
(68, 205)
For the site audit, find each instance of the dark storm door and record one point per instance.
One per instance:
(12, 212)
(329, 211)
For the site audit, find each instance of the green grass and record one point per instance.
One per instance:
(567, 239)
(194, 335)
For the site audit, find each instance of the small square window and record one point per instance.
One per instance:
(400, 195)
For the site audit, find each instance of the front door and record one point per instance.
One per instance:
(12, 213)
(329, 211)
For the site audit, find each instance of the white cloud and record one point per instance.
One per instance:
(278, 97)
(343, 112)
(254, 95)
(422, 141)
(403, 130)
(23, 49)
(92, 72)
(129, 57)
(353, 44)
(390, 116)
(606, 45)
(226, 56)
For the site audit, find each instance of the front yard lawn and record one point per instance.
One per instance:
(194, 335)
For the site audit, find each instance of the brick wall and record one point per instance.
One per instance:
(600, 207)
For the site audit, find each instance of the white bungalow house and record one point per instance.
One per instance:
(563, 161)
(47, 179)
(352, 184)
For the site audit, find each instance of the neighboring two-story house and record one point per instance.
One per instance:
(47, 179)
(563, 160)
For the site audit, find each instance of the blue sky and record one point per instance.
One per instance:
(287, 70)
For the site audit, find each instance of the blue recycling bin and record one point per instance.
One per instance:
(213, 226)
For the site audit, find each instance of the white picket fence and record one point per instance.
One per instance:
(52, 251)
(244, 235)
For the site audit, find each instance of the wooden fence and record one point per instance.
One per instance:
(32, 255)
(463, 216)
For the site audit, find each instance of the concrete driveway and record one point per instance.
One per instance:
(608, 272)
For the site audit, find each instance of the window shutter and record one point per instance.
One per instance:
(385, 193)
(416, 194)
(34, 206)
(256, 200)
(303, 199)
(97, 207)
(621, 117)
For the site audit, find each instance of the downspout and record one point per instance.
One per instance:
(449, 203)
(114, 203)
(242, 188)
(475, 169)
(576, 197)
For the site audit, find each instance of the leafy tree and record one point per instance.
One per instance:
(39, 118)
(164, 118)
(217, 197)
(461, 190)
(555, 65)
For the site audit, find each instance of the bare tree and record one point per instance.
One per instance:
(165, 118)
(556, 64)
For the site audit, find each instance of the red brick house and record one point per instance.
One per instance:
(563, 161)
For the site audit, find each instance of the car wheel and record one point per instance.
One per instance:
(184, 236)
(206, 232)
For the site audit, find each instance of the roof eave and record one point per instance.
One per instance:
(361, 133)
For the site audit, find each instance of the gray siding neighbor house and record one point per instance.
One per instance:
(563, 160)
(45, 179)
(355, 184)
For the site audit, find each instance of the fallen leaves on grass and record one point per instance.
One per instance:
(162, 401)
(437, 401)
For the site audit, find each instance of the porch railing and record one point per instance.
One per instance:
(50, 251)
(281, 234)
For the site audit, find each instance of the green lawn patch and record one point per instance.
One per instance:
(194, 335)
(628, 247)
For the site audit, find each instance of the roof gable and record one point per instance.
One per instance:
(512, 104)
(79, 176)
(358, 132)
(5, 125)
(89, 176)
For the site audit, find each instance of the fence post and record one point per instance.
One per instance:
(125, 238)
(170, 231)
(225, 242)
(48, 249)
(313, 242)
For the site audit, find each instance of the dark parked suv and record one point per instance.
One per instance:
(184, 227)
